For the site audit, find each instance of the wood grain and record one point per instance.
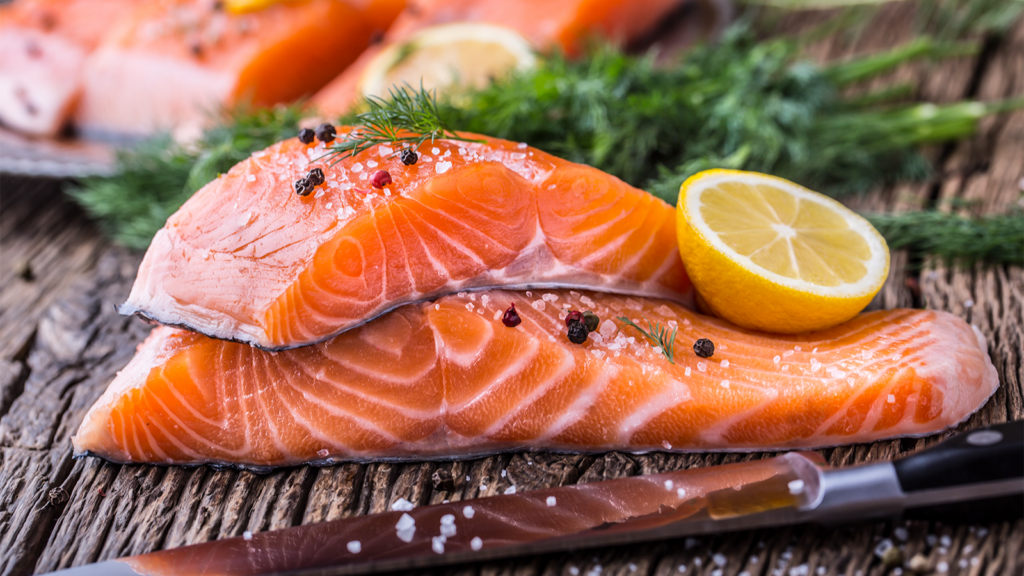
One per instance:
(61, 342)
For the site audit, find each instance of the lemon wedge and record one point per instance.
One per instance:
(768, 254)
(466, 54)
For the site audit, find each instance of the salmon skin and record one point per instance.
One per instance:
(247, 259)
(565, 25)
(43, 47)
(172, 63)
(447, 379)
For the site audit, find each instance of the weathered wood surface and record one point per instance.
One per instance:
(61, 342)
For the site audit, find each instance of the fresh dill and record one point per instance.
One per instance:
(407, 116)
(657, 334)
(994, 239)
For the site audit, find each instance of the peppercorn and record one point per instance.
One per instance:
(590, 320)
(409, 157)
(511, 317)
(315, 177)
(306, 136)
(302, 187)
(381, 179)
(325, 133)
(704, 348)
(574, 316)
(577, 332)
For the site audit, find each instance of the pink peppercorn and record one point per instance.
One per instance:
(381, 179)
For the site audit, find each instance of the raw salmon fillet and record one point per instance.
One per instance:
(566, 25)
(248, 259)
(43, 46)
(447, 379)
(174, 62)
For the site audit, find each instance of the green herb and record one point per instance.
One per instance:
(997, 239)
(408, 116)
(153, 180)
(742, 103)
(657, 334)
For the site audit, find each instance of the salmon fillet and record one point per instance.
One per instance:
(174, 62)
(248, 259)
(566, 25)
(447, 379)
(43, 46)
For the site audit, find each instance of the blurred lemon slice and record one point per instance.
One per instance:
(466, 54)
(768, 254)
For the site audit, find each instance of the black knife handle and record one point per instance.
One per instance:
(983, 455)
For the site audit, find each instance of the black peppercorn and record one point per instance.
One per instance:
(306, 136)
(577, 332)
(511, 317)
(590, 320)
(325, 133)
(704, 348)
(315, 177)
(302, 187)
(409, 157)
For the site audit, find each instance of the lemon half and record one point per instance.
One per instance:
(466, 54)
(768, 254)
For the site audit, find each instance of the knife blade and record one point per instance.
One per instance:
(983, 469)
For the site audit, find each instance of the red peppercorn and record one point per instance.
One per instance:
(381, 179)
(574, 316)
(511, 317)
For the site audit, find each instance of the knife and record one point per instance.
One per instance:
(978, 475)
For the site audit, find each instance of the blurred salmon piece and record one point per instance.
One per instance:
(566, 25)
(43, 46)
(173, 62)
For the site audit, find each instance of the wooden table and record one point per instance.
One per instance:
(61, 342)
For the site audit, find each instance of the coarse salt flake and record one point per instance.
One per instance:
(402, 505)
(442, 167)
(551, 501)
(725, 363)
(250, 178)
(355, 547)
(669, 484)
(510, 490)
(247, 535)
(468, 512)
(476, 543)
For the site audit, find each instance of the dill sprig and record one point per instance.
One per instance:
(995, 239)
(657, 334)
(407, 116)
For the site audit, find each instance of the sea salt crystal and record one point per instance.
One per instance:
(668, 484)
(357, 167)
(607, 329)
(448, 525)
(442, 167)
(946, 541)
(476, 543)
(891, 399)
(402, 505)
(435, 150)
(405, 528)
(322, 453)
(539, 305)
(587, 301)
(510, 490)
(384, 150)
(319, 193)
(521, 145)
(549, 297)
(787, 353)
(702, 366)
(371, 163)
(598, 353)
(681, 492)
(681, 569)
(942, 567)
(632, 567)
(777, 359)
(468, 511)
(250, 178)
(470, 306)
(725, 363)
(518, 156)
(437, 544)
(551, 501)
(719, 559)
(355, 547)
(633, 304)
(884, 546)
(666, 444)
(247, 535)
(330, 205)
(574, 571)
(687, 371)
(725, 384)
